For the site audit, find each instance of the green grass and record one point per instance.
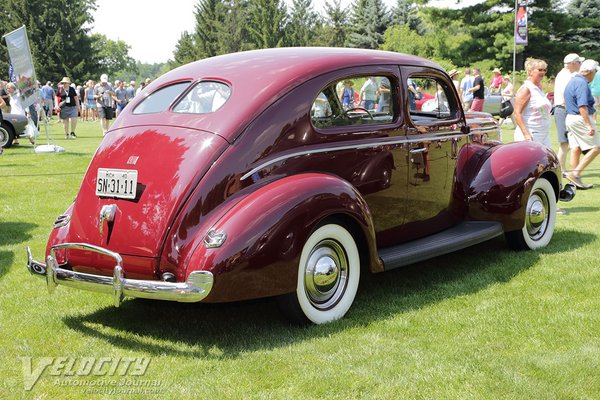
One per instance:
(483, 323)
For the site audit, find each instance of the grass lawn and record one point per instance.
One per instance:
(483, 323)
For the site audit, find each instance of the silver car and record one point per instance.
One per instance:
(11, 127)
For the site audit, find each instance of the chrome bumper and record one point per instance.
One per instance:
(196, 288)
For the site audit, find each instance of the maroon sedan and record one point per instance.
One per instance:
(242, 176)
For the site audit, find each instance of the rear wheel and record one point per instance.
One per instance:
(540, 218)
(7, 135)
(328, 277)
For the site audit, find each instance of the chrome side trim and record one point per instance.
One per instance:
(197, 286)
(368, 145)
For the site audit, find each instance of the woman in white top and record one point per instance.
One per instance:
(532, 108)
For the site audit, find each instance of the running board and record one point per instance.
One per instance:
(458, 237)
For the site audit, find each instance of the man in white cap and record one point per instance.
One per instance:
(581, 123)
(572, 62)
(104, 95)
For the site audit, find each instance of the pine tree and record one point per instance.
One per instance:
(267, 23)
(368, 24)
(335, 30)
(209, 22)
(302, 26)
(406, 13)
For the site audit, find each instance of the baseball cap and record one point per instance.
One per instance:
(588, 65)
(573, 57)
(104, 78)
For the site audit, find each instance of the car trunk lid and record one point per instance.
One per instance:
(169, 161)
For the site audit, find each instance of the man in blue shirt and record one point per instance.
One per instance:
(581, 125)
(47, 94)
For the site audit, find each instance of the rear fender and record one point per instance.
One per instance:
(499, 189)
(267, 230)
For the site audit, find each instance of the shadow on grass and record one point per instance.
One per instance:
(12, 233)
(572, 210)
(15, 232)
(6, 260)
(231, 329)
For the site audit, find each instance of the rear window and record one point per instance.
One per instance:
(204, 97)
(160, 100)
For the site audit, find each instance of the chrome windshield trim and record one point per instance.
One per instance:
(445, 136)
(197, 286)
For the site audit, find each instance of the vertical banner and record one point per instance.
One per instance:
(22, 64)
(521, 23)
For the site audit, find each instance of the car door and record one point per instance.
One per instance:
(435, 134)
(362, 109)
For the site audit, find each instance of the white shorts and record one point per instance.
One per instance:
(578, 133)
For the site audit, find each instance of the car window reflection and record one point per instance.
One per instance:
(203, 98)
(356, 100)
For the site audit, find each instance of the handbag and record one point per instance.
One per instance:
(506, 109)
(31, 131)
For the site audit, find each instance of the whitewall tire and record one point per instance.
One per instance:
(540, 218)
(328, 277)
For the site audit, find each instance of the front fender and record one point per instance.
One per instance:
(506, 173)
(267, 230)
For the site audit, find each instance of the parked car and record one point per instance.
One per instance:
(242, 176)
(12, 126)
(491, 105)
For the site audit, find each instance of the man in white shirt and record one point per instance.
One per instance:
(572, 62)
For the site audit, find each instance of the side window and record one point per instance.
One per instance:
(430, 98)
(356, 100)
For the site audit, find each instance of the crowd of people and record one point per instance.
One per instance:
(574, 103)
(72, 103)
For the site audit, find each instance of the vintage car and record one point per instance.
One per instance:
(242, 176)
(12, 126)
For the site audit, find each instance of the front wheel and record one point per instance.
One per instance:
(328, 276)
(6, 135)
(540, 218)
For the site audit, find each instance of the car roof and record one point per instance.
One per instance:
(260, 77)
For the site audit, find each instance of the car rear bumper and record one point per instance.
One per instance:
(195, 288)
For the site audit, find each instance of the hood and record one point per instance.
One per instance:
(169, 161)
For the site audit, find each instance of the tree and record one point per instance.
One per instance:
(368, 24)
(588, 9)
(58, 32)
(406, 13)
(234, 33)
(266, 25)
(185, 50)
(302, 25)
(402, 39)
(112, 56)
(210, 16)
(336, 24)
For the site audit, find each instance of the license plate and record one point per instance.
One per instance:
(120, 183)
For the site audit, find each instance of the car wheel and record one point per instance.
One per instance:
(328, 276)
(540, 218)
(6, 135)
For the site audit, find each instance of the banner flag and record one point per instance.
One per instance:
(22, 64)
(11, 73)
(521, 23)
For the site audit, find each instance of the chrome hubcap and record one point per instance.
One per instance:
(326, 274)
(537, 214)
